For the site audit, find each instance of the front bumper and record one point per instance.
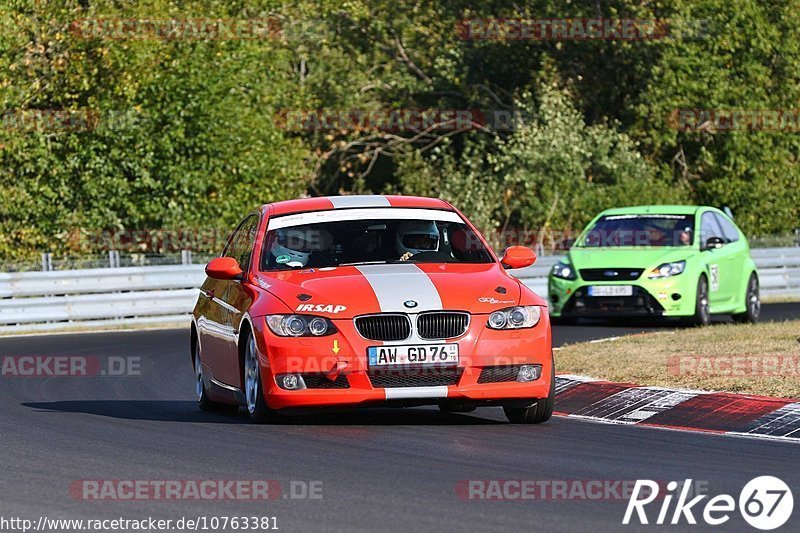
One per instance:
(348, 380)
(667, 297)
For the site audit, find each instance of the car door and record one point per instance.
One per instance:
(210, 320)
(736, 255)
(214, 326)
(237, 299)
(718, 261)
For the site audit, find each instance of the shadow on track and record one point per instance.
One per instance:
(187, 411)
(151, 410)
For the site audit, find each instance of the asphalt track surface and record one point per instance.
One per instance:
(381, 469)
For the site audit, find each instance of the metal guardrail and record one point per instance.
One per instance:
(61, 299)
(99, 280)
(778, 272)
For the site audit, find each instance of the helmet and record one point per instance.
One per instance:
(417, 236)
(290, 248)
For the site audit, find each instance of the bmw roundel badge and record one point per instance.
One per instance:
(410, 303)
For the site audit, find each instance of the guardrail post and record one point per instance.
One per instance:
(47, 261)
(113, 259)
(186, 257)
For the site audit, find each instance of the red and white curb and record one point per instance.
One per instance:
(690, 410)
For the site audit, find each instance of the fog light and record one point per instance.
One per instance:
(529, 373)
(291, 382)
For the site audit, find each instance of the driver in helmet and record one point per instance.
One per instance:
(415, 237)
(291, 248)
(685, 237)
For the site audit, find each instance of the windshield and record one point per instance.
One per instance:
(640, 230)
(374, 240)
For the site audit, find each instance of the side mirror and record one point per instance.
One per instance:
(713, 243)
(518, 257)
(224, 268)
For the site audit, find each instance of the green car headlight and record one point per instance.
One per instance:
(666, 270)
(563, 270)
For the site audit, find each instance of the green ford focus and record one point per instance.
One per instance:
(659, 261)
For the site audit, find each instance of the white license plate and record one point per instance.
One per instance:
(425, 354)
(611, 290)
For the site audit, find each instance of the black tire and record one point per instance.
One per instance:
(203, 402)
(752, 301)
(257, 408)
(563, 321)
(702, 314)
(541, 411)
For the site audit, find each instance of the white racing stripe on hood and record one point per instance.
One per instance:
(395, 284)
(374, 200)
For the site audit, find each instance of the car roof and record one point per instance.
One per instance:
(324, 203)
(656, 209)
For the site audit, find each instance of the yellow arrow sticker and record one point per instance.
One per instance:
(335, 346)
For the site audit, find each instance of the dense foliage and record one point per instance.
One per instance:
(190, 131)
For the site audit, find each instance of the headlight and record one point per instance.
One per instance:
(519, 317)
(667, 269)
(300, 325)
(564, 271)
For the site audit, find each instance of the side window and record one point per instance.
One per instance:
(709, 228)
(240, 245)
(729, 231)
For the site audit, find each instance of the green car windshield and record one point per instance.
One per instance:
(640, 230)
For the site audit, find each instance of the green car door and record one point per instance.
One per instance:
(724, 252)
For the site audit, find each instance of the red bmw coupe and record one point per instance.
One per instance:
(356, 301)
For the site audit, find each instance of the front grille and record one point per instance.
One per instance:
(415, 377)
(319, 381)
(640, 303)
(498, 374)
(610, 274)
(442, 324)
(385, 327)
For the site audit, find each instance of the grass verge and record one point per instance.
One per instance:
(761, 359)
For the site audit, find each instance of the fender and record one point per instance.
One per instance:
(750, 269)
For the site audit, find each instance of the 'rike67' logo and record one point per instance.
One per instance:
(765, 503)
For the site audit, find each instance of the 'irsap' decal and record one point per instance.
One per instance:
(321, 308)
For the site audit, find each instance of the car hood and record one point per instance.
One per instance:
(348, 291)
(626, 257)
